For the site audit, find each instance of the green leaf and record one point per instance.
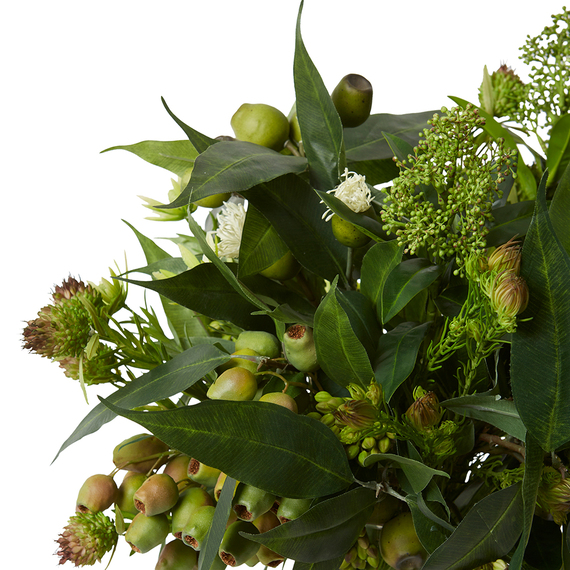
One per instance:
(540, 363)
(332, 564)
(320, 125)
(559, 209)
(488, 532)
(399, 147)
(377, 264)
(491, 409)
(558, 154)
(175, 156)
(404, 282)
(510, 221)
(257, 443)
(417, 473)
(431, 535)
(161, 382)
(326, 530)
(397, 353)
(340, 353)
(544, 549)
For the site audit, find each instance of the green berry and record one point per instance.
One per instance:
(261, 124)
(352, 98)
(263, 343)
(97, 494)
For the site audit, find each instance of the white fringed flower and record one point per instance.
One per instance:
(353, 192)
(230, 226)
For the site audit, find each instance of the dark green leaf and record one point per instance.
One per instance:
(162, 382)
(257, 443)
(540, 362)
(559, 209)
(488, 532)
(375, 171)
(431, 535)
(332, 564)
(326, 530)
(558, 147)
(399, 147)
(320, 125)
(175, 156)
(510, 221)
(339, 351)
(544, 549)
(491, 409)
(451, 300)
(404, 282)
(397, 353)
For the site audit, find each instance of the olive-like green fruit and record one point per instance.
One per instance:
(384, 510)
(158, 494)
(399, 544)
(294, 128)
(139, 453)
(177, 468)
(213, 201)
(145, 533)
(347, 233)
(286, 267)
(251, 502)
(299, 348)
(261, 124)
(191, 500)
(236, 384)
(97, 494)
(242, 362)
(263, 523)
(264, 343)
(203, 474)
(290, 509)
(126, 494)
(352, 98)
(177, 556)
(195, 531)
(280, 399)
(236, 549)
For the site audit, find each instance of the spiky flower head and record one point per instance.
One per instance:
(230, 227)
(356, 414)
(554, 494)
(506, 257)
(102, 367)
(86, 539)
(425, 412)
(352, 192)
(502, 93)
(113, 293)
(509, 297)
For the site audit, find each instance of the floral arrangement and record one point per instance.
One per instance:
(366, 361)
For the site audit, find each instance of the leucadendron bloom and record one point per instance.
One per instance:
(353, 192)
(226, 239)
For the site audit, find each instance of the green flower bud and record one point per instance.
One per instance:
(290, 509)
(425, 412)
(357, 414)
(502, 93)
(399, 544)
(250, 502)
(202, 474)
(236, 549)
(139, 453)
(98, 493)
(299, 348)
(191, 500)
(196, 530)
(506, 257)
(554, 495)
(158, 494)
(177, 556)
(236, 384)
(352, 98)
(264, 343)
(145, 533)
(509, 297)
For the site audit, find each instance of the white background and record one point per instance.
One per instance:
(79, 77)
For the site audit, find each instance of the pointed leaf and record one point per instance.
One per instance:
(281, 452)
(510, 221)
(488, 532)
(558, 147)
(326, 530)
(320, 125)
(161, 382)
(540, 363)
(430, 535)
(332, 564)
(559, 208)
(399, 147)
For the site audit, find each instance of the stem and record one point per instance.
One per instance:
(497, 440)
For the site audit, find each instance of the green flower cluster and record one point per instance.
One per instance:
(502, 94)
(441, 201)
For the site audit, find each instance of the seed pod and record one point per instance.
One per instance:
(202, 474)
(384, 509)
(264, 343)
(197, 528)
(399, 544)
(97, 494)
(237, 384)
(241, 362)
(176, 556)
(263, 523)
(299, 348)
(189, 502)
(352, 98)
(236, 549)
(280, 399)
(261, 124)
(219, 484)
(126, 493)
(250, 502)
(177, 468)
(145, 533)
(139, 453)
(290, 509)
(156, 495)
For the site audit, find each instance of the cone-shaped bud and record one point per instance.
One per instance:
(250, 502)
(352, 98)
(177, 468)
(98, 493)
(261, 124)
(177, 556)
(126, 493)
(241, 362)
(290, 509)
(139, 453)
(219, 484)
(399, 544)
(509, 297)
(502, 93)
(86, 538)
(145, 533)
(264, 343)
(280, 399)
(203, 474)
(190, 501)
(236, 384)
(158, 494)
(356, 414)
(236, 549)
(506, 257)
(196, 529)
(299, 348)
(425, 412)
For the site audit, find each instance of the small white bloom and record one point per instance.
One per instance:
(230, 226)
(353, 192)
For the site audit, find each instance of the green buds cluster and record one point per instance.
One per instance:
(362, 556)
(502, 93)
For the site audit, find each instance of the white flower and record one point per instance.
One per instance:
(353, 192)
(230, 226)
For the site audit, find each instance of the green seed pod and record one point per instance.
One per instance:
(126, 494)
(158, 494)
(264, 343)
(139, 453)
(177, 556)
(195, 531)
(236, 384)
(263, 523)
(261, 124)
(177, 468)
(97, 494)
(280, 399)
(213, 201)
(145, 533)
(202, 474)
(285, 268)
(191, 500)
(241, 362)
(236, 549)
(219, 484)
(250, 502)
(299, 348)
(352, 98)
(290, 509)
(399, 544)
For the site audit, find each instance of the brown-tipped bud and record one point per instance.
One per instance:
(509, 297)
(190, 501)
(299, 348)
(177, 468)
(356, 414)
(202, 474)
(235, 549)
(97, 494)
(158, 494)
(145, 533)
(177, 556)
(425, 412)
(197, 528)
(140, 453)
(506, 257)
(250, 502)
(126, 493)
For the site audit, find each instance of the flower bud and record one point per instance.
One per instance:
(425, 411)
(197, 528)
(158, 494)
(356, 414)
(509, 297)
(219, 484)
(125, 498)
(264, 343)
(236, 549)
(139, 453)
(98, 493)
(203, 474)
(290, 509)
(506, 257)
(236, 384)
(299, 348)
(250, 502)
(190, 501)
(554, 495)
(145, 533)
(177, 556)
